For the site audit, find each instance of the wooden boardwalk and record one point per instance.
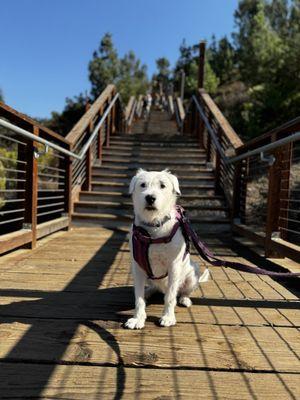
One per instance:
(63, 305)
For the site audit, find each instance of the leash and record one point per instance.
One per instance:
(208, 256)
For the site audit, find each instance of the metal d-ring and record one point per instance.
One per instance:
(269, 159)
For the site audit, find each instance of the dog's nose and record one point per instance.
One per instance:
(150, 199)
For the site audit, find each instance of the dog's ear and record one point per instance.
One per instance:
(174, 182)
(134, 179)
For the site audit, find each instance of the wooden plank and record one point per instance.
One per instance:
(27, 380)
(287, 249)
(46, 228)
(14, 240)
(185, 346)
(231, 135)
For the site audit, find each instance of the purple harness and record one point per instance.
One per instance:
(141, 241)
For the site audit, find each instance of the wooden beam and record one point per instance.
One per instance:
(201, 64)
(14, 240)
(31, 188)
(221, 120)
(46, 228)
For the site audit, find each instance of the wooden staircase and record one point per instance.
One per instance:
(108, 202)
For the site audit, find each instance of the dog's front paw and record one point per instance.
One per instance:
(167, 320)
(135, 323)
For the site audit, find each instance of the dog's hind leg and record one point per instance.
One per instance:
(190, 284)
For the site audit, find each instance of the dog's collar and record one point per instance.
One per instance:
(157, 224)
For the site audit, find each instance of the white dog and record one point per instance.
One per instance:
(154, 198)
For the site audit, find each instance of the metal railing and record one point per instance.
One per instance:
(42, 173)
(260, 179)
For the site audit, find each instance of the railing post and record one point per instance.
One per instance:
(201, 128)
(218, 165)
(99, 149)
(208, 143)
(108, 127)
(238, 208)
(68, 186)
(31, 190)
(273, 202)
(88, 162)
(201, 65)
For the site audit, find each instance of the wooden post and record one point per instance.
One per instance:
(238, 206)
(218, 166)
(68, 188)
(108, 126)
(88, 162)
(201, 65)
(208, 143)
(273, 202)
(31, 189)
(99, 149)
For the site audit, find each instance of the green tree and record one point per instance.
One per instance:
(132, 79)
(1, 95)
(222, 59)
(104, 67)
(161, 80)
(127, 73)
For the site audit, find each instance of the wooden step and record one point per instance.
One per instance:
(179, 145)
(123, 176)
(185, 188)
(126, 181)
(127, 204)
(153, 154)
(154, 161)
(121, 195)
(131, 169)
(149, 150)
(122, 216)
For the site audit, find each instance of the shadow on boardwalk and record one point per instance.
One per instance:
(63, 312)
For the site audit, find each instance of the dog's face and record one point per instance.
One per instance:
(153, 193)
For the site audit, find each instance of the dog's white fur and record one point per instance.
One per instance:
(183, 275)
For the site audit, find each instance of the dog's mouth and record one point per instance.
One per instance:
(150, 208)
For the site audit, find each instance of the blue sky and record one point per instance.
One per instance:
(46, 45)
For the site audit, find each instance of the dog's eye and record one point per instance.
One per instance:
(143, 185)
(162, 185)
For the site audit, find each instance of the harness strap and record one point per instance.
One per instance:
(206, 254)
(141, 241)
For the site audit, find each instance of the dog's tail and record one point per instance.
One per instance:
(205, 276)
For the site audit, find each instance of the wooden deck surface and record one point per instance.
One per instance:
(61, 311)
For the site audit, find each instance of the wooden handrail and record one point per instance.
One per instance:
(181, 111)
(81, 126)
(129, 107)
(227, 129)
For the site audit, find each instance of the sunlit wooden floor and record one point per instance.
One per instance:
(62, 309)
